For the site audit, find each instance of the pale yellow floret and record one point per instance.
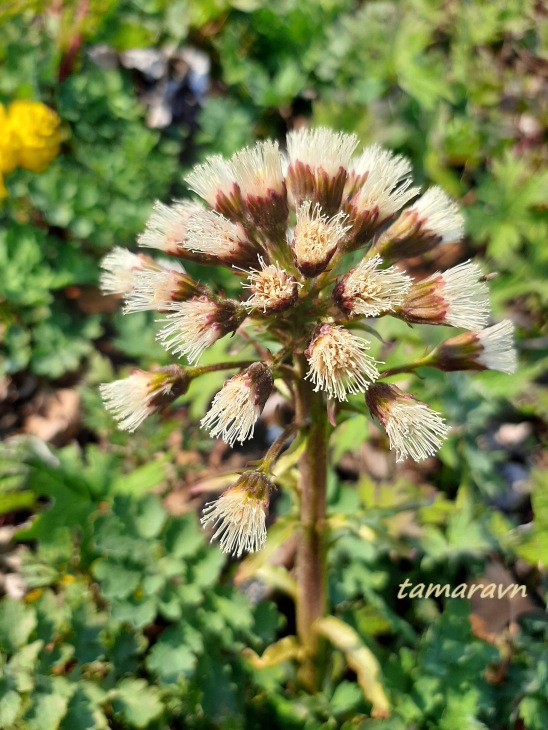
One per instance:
(316, 236)
(130, 399)
(233, 413)
(166, 228)
(415, 430)
(152, 290)
(240, 520)
(339, 364)
(370, 290)
(188, 330)
(212, 234)
(120, 268)
(271, 287)
(258, 170)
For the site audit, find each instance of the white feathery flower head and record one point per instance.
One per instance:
(153, 290)
(498, 352)
(339, 364)
(439, 214)
(237, 406)
(321, 148)
(212, 234)
(489, 349)
(316, 237)
(387, 186)
(457, 297)
(190, 328)
(258, 170)
(467, 297)
(233, 413)
(415, 430)
(273, 289)
(239, 515)
(375, 161)
(120, 268)
(167, 226)
(369, 290)
(131, 399)
(212, 177)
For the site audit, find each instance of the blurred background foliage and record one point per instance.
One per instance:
(116, 613)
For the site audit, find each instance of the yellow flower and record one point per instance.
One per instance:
(37, 129)
(8, 147)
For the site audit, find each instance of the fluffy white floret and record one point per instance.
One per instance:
(498, 352)
(414, 430)
(339, 364)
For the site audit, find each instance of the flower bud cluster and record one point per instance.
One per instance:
(318, 236)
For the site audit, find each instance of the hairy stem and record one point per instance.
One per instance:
(195, 372)
(276, 448)
(311, 550)
(408, 367)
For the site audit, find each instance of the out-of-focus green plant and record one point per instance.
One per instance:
(131, 621)
(38, 332)
(80, 653)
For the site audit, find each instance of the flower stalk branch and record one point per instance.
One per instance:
(195, 372)
(276, 447)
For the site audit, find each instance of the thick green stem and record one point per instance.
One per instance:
(311, 550)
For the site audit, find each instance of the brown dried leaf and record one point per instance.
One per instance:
(56, 418)
(490, 616)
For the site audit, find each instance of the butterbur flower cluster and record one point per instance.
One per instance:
(318, 236)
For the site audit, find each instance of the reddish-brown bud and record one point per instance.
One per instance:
(433, 219)
(318, 164)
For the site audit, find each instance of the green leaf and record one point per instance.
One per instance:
(348, 435)
(60, 343)
(84, 711)
(173, 656)
(118, 580)
(140, 480)
(17, 622)
(138, 611)
(183, 536)
(534, 546)
(345, 698)
(22, 666)
(149, 517)
(47, 711)
(534, 712)
(10, 704)
(14, 501)
(136, 702)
